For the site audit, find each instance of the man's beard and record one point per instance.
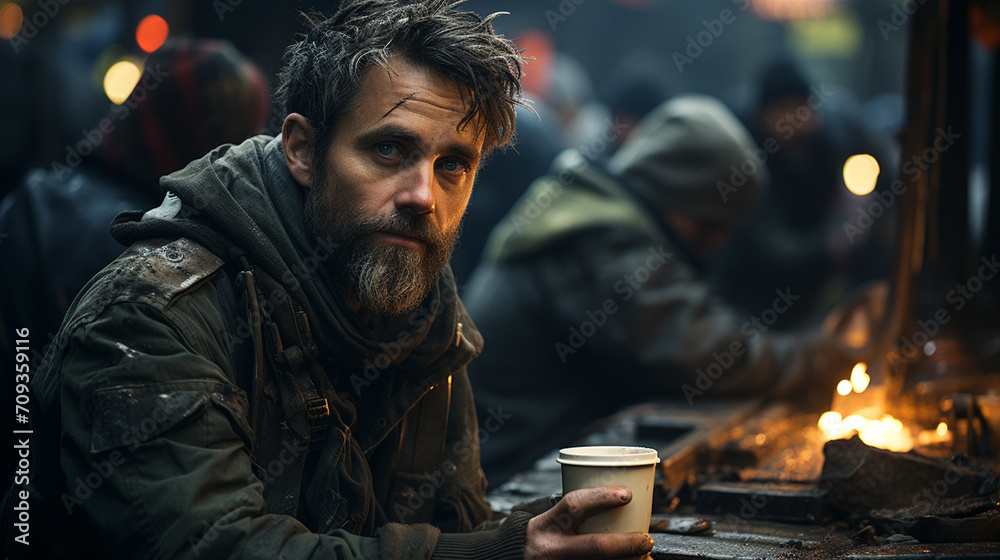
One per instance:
(387, 279)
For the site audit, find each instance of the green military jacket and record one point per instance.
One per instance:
(187, 411)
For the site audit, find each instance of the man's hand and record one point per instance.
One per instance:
(553, 533)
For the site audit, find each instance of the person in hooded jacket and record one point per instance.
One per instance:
(275, 368)
(194, 94)
(591, 293)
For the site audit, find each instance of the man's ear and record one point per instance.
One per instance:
(297, 142)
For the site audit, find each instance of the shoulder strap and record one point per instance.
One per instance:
(282, 336)
(245, 280)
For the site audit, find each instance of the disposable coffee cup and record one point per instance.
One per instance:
(594, 466)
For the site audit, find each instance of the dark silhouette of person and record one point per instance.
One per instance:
(193, 95)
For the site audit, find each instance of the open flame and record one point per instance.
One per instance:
(885, 432)
(872, 424)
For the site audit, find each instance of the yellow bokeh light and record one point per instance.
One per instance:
(942, 429)
(860, 174)
(854, 423)
(120, 80)
(831, 424)
(860, 378)
(844, 388)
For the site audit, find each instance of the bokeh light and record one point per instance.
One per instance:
(120, 80)
(11, 20)
(830, 422)
(942, 429)
(861, 173)
(151, 32)
(860, 378)
(783, 10)
(844, 388)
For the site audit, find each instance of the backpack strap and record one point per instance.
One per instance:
(283, 336)
(245, 280)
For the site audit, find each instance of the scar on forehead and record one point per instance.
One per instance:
(394, 107)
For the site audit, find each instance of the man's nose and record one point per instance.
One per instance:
(417, 193)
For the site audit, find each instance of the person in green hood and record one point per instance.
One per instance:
(591, 292)
(276, 366)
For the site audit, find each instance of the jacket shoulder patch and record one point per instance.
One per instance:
(155, 272)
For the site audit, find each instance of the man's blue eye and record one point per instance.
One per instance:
(452, 166)
(385, 149)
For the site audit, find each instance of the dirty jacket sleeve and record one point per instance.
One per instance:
(153, 450)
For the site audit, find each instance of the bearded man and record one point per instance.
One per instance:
(275, 368)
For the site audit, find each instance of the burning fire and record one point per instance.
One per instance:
(886, 432)
(874, 427)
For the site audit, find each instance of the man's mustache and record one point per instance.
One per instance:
(412, 225)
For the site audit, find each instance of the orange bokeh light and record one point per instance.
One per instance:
(11, 19)
(151, 32)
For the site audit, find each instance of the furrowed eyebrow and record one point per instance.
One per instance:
(464, 153)
(391, 131)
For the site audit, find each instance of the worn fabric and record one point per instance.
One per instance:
(589, 302)
(162, 429)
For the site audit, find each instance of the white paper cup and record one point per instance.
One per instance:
(594, 466)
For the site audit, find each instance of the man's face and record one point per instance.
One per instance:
(393, 186)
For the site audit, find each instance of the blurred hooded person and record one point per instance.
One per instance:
(591, 298)
(193, 95)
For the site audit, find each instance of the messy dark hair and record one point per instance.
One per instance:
(323, 71)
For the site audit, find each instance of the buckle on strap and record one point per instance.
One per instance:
(317, 412)
(317, 409)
